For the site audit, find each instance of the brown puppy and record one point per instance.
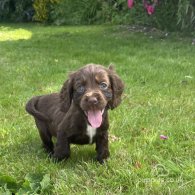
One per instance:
(79, 113)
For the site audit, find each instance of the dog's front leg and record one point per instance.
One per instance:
(102, 147)
(62, 148)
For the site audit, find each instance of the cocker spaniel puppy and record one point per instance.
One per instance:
(79, 113)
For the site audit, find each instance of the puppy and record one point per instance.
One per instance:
(79, 113)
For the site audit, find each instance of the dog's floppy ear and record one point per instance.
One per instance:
(66, 94)
(117, 86)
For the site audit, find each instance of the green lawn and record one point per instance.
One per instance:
(159, 74)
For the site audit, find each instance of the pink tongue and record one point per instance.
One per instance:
(95, 118)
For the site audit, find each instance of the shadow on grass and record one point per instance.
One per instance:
(31, 148)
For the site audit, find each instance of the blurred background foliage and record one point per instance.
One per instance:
(169, 15)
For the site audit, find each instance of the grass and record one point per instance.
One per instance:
(159, 74)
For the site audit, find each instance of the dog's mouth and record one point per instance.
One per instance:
(94, 117)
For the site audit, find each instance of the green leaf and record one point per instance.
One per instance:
(45, 183)
(8, 182)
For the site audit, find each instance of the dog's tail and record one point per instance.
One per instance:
(31, 109)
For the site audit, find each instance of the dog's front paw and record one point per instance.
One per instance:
(102, 157)
(60, 155)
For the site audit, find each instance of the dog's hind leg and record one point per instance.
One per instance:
(45, 135)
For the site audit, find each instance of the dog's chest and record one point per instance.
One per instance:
(91, 132)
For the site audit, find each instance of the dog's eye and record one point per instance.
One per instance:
(103, 85)
(81, 89)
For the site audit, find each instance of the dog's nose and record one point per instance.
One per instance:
(92, 100)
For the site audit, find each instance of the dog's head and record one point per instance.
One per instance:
(93, 89)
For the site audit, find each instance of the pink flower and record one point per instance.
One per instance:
(150, 9)
(130, 3)
(163, 137)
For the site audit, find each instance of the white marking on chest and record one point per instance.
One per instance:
(91, 133)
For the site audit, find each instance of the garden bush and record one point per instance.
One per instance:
(43, 9)
(78, 12)
(169, 15)
(16, 10)
(186, 14)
